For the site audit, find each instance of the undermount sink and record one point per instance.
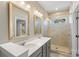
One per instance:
(33, 43)
(13, 50)
(30, 45)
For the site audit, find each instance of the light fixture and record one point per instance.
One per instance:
(36, 12)
(28, 6)
(56, 9)
(22, 3)
(40, 14)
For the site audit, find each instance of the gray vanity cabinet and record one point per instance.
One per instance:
(46, 49)
(43, 51)
(37, 53)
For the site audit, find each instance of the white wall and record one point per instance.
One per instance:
(45, 26)
(3, 22)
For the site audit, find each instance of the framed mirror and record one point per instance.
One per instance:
(18, 21)
(37, 25)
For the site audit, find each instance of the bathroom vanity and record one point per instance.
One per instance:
(33, 47)
(38, 47)
(19, 28)
(43, 51)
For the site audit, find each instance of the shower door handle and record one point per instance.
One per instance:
(77, 36)
(77, 18)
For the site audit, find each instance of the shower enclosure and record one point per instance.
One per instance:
(60, 32)
(76, 30)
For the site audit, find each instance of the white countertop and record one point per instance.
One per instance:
(17, 49)
(39, 42)
(12, 49)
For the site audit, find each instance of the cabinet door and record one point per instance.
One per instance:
(37, 53)
(44, 50)
(76, 32)
(48, 48)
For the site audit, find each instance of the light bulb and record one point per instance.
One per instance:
(22, 2)
(56, 9)
(28, 6)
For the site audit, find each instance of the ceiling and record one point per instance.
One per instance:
(55, 6)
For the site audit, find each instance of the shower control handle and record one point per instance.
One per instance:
(77, 54)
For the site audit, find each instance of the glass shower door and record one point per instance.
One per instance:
(76, 20)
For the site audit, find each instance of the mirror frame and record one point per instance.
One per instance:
(10, 5)
(34, 17)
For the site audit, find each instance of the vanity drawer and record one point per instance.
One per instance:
(37, 53)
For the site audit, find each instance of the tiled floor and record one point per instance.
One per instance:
(54, 54)
(60, 51)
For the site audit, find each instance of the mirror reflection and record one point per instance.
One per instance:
(18, 21)
(37, 22)
(20, 27)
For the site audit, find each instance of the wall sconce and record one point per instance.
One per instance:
(56, 9)
(36, 12)
(22, 3)
(28, 6)
(40, 14)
